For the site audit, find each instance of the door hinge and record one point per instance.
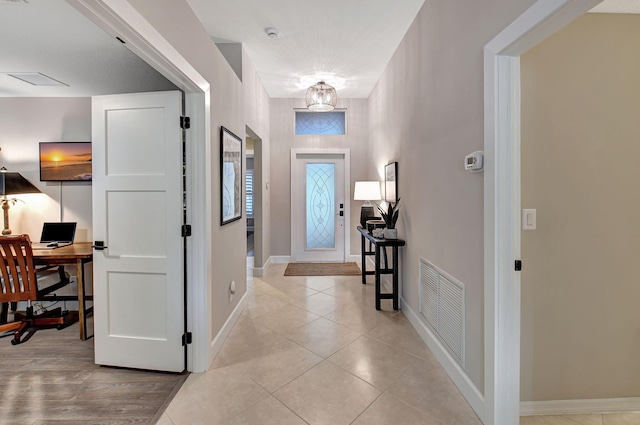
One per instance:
(518, 265)
(187, 338)
(185, 123)
(186, 230)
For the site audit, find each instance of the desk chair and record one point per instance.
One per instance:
(18, 282)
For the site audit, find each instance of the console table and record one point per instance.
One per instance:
(381, 245)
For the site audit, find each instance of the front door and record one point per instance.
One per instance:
(137, 214)
(318, 207)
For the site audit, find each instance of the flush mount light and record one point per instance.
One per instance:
(36, 78)
(321, 97)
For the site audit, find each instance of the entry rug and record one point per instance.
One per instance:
(322, 269)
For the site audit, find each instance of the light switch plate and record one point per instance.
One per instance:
(528, 219)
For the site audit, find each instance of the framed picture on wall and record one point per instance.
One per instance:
(230, 177)
(391, 182)
(65, 161)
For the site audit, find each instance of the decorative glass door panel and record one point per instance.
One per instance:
(320, 206)
(318, 209)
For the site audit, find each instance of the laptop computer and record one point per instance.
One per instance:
(56, 235)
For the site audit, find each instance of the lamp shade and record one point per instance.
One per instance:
(15, 184)
(367, 191)
(321, 97)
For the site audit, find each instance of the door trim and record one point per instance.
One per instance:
(120, 18)
(346, 154)
(502, 199)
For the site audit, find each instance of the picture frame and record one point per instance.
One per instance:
(65, 161)
(230, 177)
(391, 182)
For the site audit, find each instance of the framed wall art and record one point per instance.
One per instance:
(391, 182)
(230, 176)
(65, 161)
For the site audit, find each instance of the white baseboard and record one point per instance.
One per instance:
(453, 369)
(354, 258)
(280, 259)
(217, 342)
(260, 271)
(572, 407)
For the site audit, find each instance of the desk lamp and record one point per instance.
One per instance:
(12, 184)
(366, 191)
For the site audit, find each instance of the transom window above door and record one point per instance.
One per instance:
(321, 123)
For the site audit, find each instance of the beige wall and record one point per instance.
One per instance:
(283, 140)
(257, 115)
(24, 123)
(580, 144)
(177, 23)
(426, 112)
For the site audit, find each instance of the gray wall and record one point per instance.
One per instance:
(283, 140)
(426, 112)
(580, 134)
(257, 116)
(24, 123)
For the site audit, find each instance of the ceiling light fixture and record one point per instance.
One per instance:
(321, 97)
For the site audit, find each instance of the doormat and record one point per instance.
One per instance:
(322, 269)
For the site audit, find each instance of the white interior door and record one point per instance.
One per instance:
(137, 207)
(318, 207)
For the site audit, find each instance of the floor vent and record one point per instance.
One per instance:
(442, 305)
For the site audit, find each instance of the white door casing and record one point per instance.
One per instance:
(502, 199)
(137, 212)
(301, 159)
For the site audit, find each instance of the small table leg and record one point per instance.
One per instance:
(82, 317)
(377, 277)
(364, 260)
(396, 268)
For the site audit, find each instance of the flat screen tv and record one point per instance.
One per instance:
(65, 161)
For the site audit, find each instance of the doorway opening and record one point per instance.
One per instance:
(123, 21)
(253, 202)
(502, 220)
(249, 198)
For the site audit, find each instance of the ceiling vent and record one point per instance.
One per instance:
(13, 1)
(36, 78)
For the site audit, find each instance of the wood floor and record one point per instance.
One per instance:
(52, 380)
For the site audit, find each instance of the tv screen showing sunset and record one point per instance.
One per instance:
(65, 161)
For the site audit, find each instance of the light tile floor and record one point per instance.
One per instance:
(313, 350)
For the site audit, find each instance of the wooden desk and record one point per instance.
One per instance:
(381, 245)
(78, 254)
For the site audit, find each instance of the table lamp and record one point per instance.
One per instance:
(366, 191)
(12, 184)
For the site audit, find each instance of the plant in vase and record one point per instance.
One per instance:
(390, 217)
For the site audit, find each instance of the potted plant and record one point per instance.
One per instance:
(390, 217)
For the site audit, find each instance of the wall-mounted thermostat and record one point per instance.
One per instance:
(473, 161)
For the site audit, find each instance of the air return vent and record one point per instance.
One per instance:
(442, 305)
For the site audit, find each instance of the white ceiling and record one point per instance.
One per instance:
(349, 41)
(51, 37)
(346, 42)
(617, 6)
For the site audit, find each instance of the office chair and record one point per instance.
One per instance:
(18, 282)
